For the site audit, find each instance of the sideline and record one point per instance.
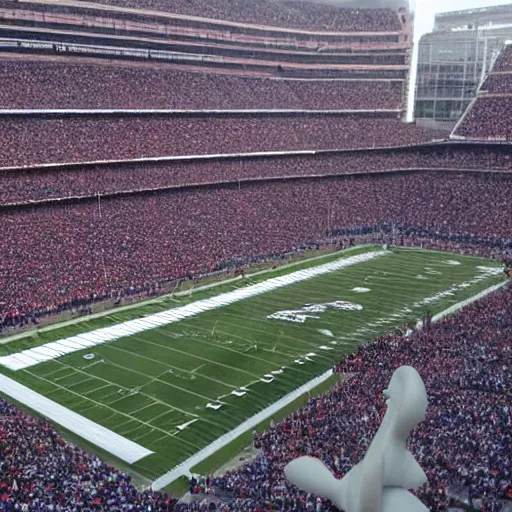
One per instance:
(184, 468)
(160, 298)
(56, 349)
(122, 448)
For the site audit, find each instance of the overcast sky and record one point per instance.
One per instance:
(424, 22)
(425, 10)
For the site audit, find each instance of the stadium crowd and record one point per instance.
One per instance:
(485, 120)
(498, 84)
(504, 61)
(39, 471)
(464, 445)
(291, 14)
(37, 140)
(96, 249)
(42, 84)
(42, 184)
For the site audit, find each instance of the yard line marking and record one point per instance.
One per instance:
(100, 405)
(15, 362)
(119, 386)
(63, 377)
(53, 372)
(198, 368)
(161, 381)
(80, 382)
(160, 438)
(309, 344)
(110, 345)
(96, 389)
(92, 406)
(115, 444)
(159, 415)
(185, 467)
(224, 347)
(124, 434)
(142, 408)
(232, 368)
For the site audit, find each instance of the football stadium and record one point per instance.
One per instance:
(220, 238)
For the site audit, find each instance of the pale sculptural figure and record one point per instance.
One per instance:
(380, 482)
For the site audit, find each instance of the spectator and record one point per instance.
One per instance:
(77, 253)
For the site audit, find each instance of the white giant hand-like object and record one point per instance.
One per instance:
(380, 482)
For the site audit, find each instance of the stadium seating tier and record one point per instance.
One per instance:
(42, 184)
(53, 85)
(73, 251)
(32, 140)
(290, 14)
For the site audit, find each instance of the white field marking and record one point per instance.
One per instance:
(117, 445)
(125, 389)
(64, 376)
(157, 441)
(142, 408)
(161, 415)
(260, 331)
(96, 389)
(301, 315)
(360, 289)
(168, 365)
(452, 262)
(421, 276)
(490, 270)
(484, 273)
(92, 406)
(185, 425)
(157, 379)
(130, 431)
(54, 372)
(185, 467)
(50, 351)
(195, 356)
(80, 382)
(466, 302)
(326, 332)
(198, 368)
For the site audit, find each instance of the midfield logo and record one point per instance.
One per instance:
(302, 314)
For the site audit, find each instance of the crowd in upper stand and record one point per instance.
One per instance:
(504, 61)
(488, 119)
(498, 84)
(464, 445)
(55, 256)
(291, 14)
(91, 138)
(51, 85)
(67, 256)
(41, 184)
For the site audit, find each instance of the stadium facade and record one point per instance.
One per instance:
(454, 59)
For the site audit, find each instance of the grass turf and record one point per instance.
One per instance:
(146, 385)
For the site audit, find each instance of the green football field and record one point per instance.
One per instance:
(146, 385)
